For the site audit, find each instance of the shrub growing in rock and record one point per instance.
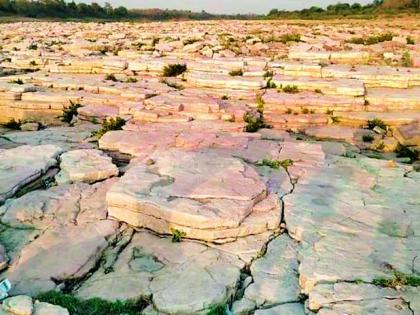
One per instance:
(174, 70)
(367, 138)
(13, 124)
(236, 73)
(285, 38)
(376, 122)
(111, 77)
(70, 112)
(111, 124)
(407, 152)
(177, 235)
(254, 122)
(292, 89)
(17, 81)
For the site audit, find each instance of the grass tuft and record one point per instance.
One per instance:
(94, 306)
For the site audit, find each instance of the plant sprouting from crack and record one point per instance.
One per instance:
(177, 235)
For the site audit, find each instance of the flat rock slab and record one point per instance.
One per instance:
(86, 165)
(206, 194)
(180, 278)
(24, 164)
(59, 254)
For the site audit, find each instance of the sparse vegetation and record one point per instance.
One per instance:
(94, 306)
(271, 84)
(376, 122)
(177, 235)
(12, 124)
(268, 74)
(70, 112)
(318, 91)
(174, 70)
(406, 59)
(110, 124)
(254, 122)
(407, 152)
(285, 38)
(371, 40)
(218, 310)
(276, 164)
(398, 279)
(260, 103)
(111, 77)
(16, 81)
(368, 138)
(236, 73)
(225, 97)
(292, 89)
(173, 85)
(410, 41)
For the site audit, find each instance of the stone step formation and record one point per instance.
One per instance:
(254, 167)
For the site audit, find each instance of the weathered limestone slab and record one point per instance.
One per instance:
(58, 254)
(358, 119)
(59, 205)
(275, 274)
(86, 165)
(386, 99)
(347, 87)
(363, 298)
(24, 164)
(152, 267)
(278, 102)
(367, 216)
(408, 134)
(177, 191)
(374, 76)
(224, 81)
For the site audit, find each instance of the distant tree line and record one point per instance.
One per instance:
(72, 10)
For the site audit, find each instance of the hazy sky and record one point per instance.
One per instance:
(225, 6)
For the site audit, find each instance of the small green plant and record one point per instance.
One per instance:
(292, 89)
(177, 235)
(70, 112)
(174, 70)
(217, 310)
(33, 46)
(285, 38)
(407, 152)
(13, 124)
(376, 122)
(236, 73)
(318, 91)
(406, 59)
(380, 146)
(398, 279)
(260, 103)
(335, 119)
(190, 41)
(368, 138)
(111, 77)
(371, 40)
(268, 74)
(94, 306)
(173, 85)
(276, 164)
(271, 84)
(33, 63)
(254, 122)
(111, 124)
(131, 80)
(225, 97)
(16, 81)
(410, 41)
